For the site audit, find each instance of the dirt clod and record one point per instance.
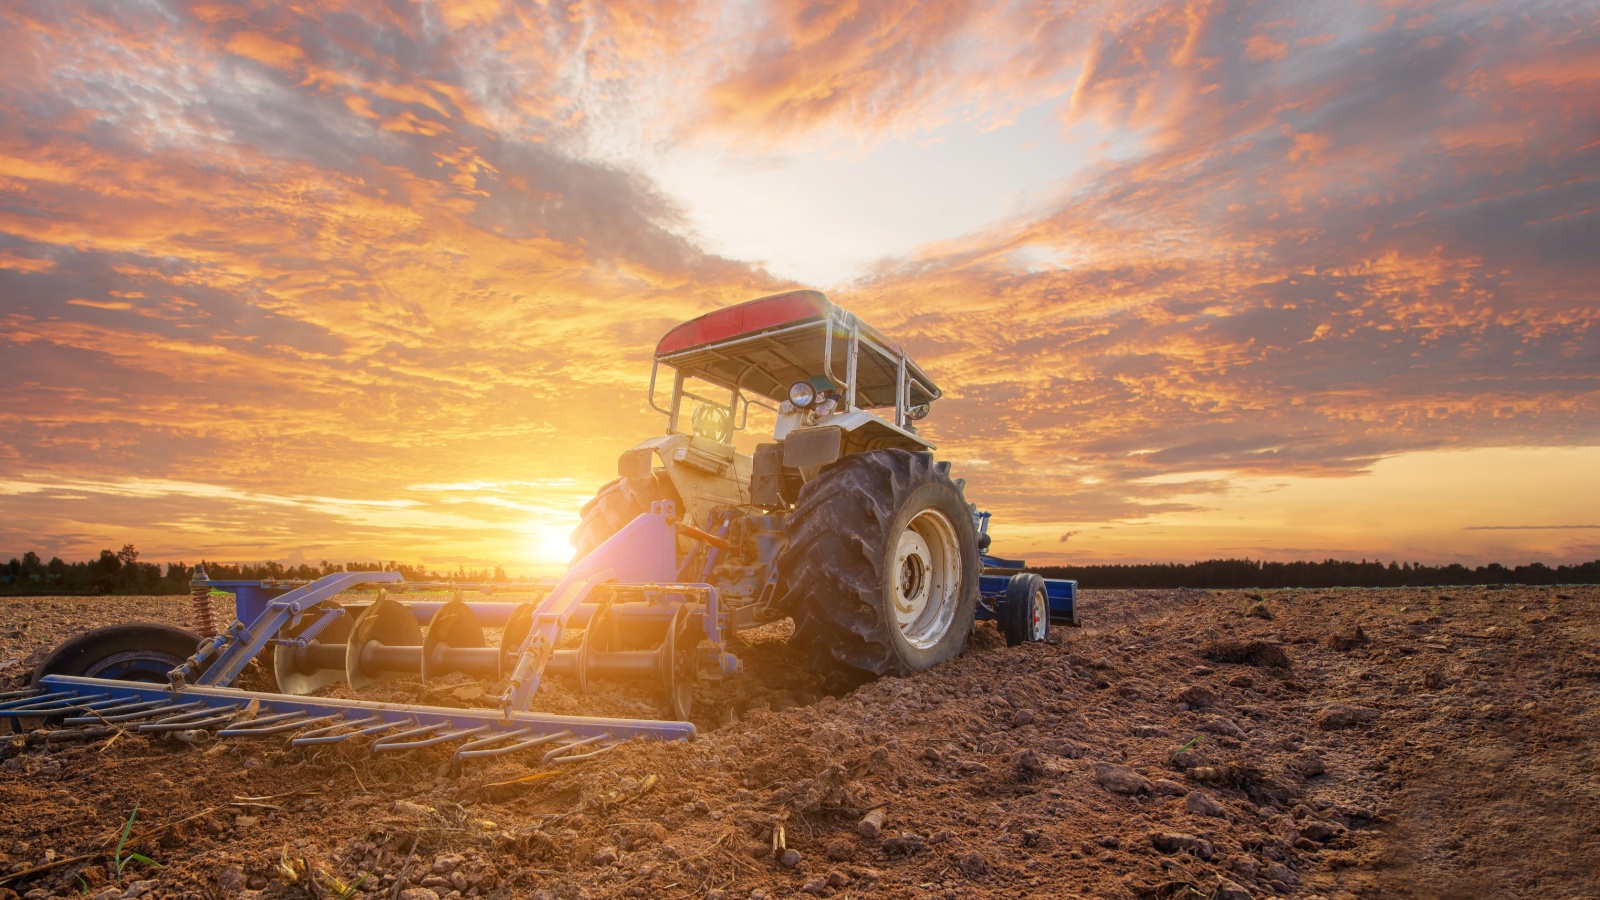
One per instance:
(1027, 765)
(1172, 842)
(1202, 805)
(1230, 890)
(1121, 779)
(1347, 640)
(972, 865)
(1344, 715)
(904, 845)
(1166, 787)
(1250, 653)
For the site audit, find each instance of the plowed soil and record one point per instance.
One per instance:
(1428, 743)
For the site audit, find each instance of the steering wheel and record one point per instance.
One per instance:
(712, 423)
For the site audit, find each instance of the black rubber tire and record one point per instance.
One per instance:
(837, 568)
(1021, 619)
(618, 503)
(150, 643)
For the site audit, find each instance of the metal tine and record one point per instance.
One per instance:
(154, 711)
(36, 697)
(477, 747)
(325, 734)
(98, 705)
(254, 730)
(221, 718)
(199, 718)
(52, 706)
(485, 746)
(580, 757)
(565, 748)
(24, 694)
(122, 706)
(497, 738)
(390, 743)
(275, 717)
(50, 703)
(408, 733)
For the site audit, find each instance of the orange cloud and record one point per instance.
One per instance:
(265, 50)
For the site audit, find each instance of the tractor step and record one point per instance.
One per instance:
(311, 721)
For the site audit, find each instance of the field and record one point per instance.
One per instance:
(1427, 743)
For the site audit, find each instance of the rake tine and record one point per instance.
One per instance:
(580, 757)
(29, 698)
(565, 748)
(280, 728)
(268, 720)
(395, 742)
(154, 712)
(188, 725)
(486, 746)
(24, 694)
(325, 735)
(44, 706)
(185, 721)
(384, 741)
(101, 712)
(491, 740)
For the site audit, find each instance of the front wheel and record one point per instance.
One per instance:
(881, 567)
(1025, 610)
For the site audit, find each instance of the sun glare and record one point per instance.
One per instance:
(547, 546)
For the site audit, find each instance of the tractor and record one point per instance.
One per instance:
(840, 519)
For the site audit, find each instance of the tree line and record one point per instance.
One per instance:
(121, 572)
(1247, 573)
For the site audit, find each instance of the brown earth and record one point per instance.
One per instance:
(1429, 743)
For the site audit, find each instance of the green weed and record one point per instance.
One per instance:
(122, 861)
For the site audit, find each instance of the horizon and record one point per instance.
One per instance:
(1284, 282)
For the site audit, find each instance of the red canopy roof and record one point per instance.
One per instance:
(750, 317)
(755, 346)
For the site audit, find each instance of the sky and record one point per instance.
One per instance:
(381, 280)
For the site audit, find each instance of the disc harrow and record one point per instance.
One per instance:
(638, 622)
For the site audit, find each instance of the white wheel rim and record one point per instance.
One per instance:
(1039, 615)
(926, 576)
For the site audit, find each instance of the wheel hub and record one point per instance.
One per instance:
(927, 577)
(135, 665)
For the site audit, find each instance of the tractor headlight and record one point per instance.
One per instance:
(918, 412)
(802, 394)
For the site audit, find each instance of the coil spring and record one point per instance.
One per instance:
(205, 612)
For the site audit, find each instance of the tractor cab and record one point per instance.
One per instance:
(812, 363)
(836, 386)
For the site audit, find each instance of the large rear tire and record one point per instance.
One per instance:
(881, 567)
(618, 503)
